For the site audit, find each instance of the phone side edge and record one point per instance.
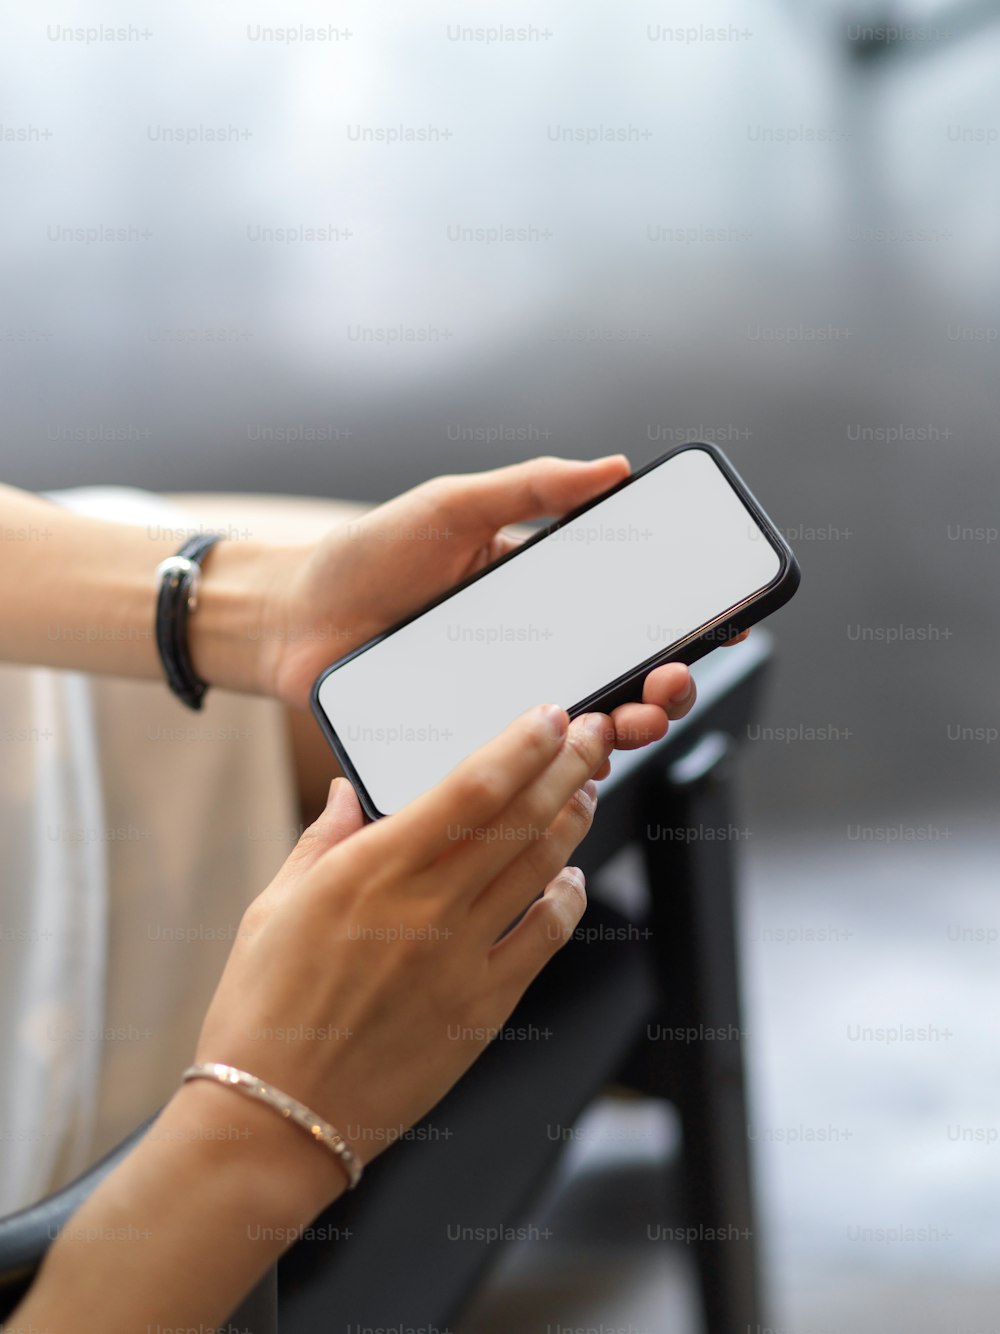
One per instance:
(337, 746)
(771, 598)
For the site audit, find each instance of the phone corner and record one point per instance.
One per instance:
(791, 575)
(314, 701)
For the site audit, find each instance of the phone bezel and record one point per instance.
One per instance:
(628, 687)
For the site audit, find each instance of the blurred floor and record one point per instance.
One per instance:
(860, 1132)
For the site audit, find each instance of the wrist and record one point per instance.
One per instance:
(288, 1176)
(233, 639)
(188, 1222)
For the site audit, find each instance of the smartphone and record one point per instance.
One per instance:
(665, 566)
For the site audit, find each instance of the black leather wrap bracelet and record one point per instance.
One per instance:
(179, 576)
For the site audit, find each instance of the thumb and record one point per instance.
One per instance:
(340, 817)
(537, 488)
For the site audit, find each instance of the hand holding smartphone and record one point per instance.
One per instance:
(664, 567)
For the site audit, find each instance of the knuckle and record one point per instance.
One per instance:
(573, 896)
(534, 812)
(587, 745)
(432, 493)
(254, 917)
(570, 827)
(539, 738)
(565, 910)
(479, 787)
(581, 810)
(439, 488)
(311, 843)
(310, 839)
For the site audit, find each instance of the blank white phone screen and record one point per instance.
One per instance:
(639, 572)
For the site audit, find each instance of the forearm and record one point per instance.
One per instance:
(190, 1221)
(80, 593)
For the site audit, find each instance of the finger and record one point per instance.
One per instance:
(531, 870)
(736, 639)
(525, 950)
(671, 687)
(479, 788)
(637, 725)
(482, 854)
(486, 501)
(341, 817)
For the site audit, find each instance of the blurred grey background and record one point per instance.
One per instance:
(334, 252)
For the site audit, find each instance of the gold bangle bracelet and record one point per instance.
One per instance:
(286, 1106)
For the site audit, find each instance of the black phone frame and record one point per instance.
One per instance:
(625, 689)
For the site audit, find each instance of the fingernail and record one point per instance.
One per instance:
(574, 874)
(590, 787)
(333, 795)
(557, 718)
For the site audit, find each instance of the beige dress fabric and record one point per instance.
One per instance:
(134, 833)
